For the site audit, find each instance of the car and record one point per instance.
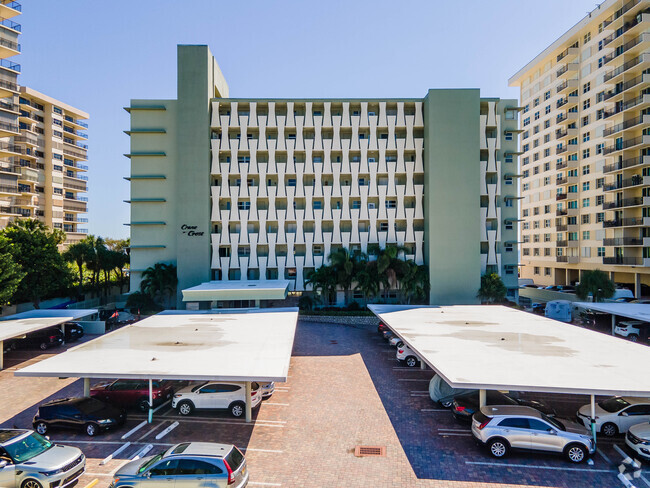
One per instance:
(616, 415)
(29, 460)
(466, 405)
(408, 356)
(73, 331)
(186, 464)
(630, 329)
(638, 439)
(82, 413)
(216, 396)
(442, 393)
(267, 390)
(133, 393)
(396, 341)
(381, 327)
(502, 428)
(387, 334)
(43, 339)
(538, 308)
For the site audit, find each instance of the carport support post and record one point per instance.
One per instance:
(482, 398)
(87, 387)
(150, 419)
(249, 413)
(2, 355)
(593, 417)
(613, 323)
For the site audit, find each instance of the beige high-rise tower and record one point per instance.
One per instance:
(585, 138)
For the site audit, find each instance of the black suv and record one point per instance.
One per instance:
(43, 339)
(73, 331)
(88, 414)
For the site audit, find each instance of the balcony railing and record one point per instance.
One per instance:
(561, 102)
(622, 241)
(79, 199)
(11, 24)
(623, 125)
(623, 145)
(624, 106)
(561, 181)
(561, 165)
(634, 181)
(566, 52)
(5, 63)
(619, 13)
(10, 44)
(628, 163)
(8, 85)
(623, 260)
(560, 196)
(560, 150)
(559, 134)
(561, 212)
(562, 259)
(561, 228)
(627, 46)
(561, 243)
(628, 222)
(8, 189)
(76, 121)
(12, 5)
(562, 70)
(75, 153)
(8, 127)
(626, 202)
(624, 67)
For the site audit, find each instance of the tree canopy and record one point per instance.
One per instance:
(492, 288)
(11, 273)
(596, 283)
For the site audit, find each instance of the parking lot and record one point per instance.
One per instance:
(345, 389)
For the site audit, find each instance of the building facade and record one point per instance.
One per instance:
(585, 140)
(42, 148)
(264, 189)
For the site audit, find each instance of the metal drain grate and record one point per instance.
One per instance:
(367, 451)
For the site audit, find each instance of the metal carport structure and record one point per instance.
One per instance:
(19, 324)
(635, 311)
(181, 345)
(491, 347)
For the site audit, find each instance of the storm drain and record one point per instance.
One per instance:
(368, 451)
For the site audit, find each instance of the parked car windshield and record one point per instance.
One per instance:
(146, 465)
(234, 458)
(90, 406)
(198, 386)
(27, 447)
(612, 405)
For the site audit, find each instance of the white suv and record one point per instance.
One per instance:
(408, 356)
(616, 415)
(216, 396)
(630, 329)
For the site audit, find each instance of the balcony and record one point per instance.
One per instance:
(622, 241)
(566, 85)
(561, 165)
(627, 222)
(627, 144)
(560, 228)
(8, 48)
(78, 122)
(561, 150)
(9, 9)
(10, 24)
(560, 196)
(627, 124)
(75, 165)
(74, 132)
(72, 206)
(74, 218)
(74, 186)
(628, 47)
(561, 212)
(568, 54)
(627, 163)
(613, 75)
(636, 180)
(566, 117)
(567, 259)
(8, 129)
(626, 202)
(9, 190)
(617, 15)
(561, 243)
(622, 107)
(75, 153)
(26, 138)
(625, 261)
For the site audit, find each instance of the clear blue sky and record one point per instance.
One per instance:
(97, 55)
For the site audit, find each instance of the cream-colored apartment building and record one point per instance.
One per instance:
(51, 168)
(585, 162)
(42, 146)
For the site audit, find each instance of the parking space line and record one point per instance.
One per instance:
(142, 452)
(151, 430)
(536, 466)
(454, 434)
(276, 404)
(92, 483)
(231, 422)
(252, 449)
(260, 483)
(115, 453)
(433, 410)
(602, 455)
(168, 402)
(134, 429)
(420, 391)
(167, 431)
(414, 379)
(456, 430)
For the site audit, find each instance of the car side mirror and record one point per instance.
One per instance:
(148, 474)
(3, 463)
(625, 414)
(552, 431)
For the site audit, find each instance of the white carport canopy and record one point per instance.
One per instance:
(19, 324)
(245, 347)
(489, 347)
(237, 290)
(636, 311)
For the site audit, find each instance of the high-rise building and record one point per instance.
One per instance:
(52, 179)
(585, 150)
(265, 189)
(42, 146)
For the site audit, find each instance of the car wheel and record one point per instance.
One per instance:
(633, 337)
(41, 427)
(185, 408)
(609, 429)
(143, 405)
(31, 484)
(237, 409)
(575, 453)
(91, 429)
(411, 361)
(447, 403)
(42, 346)
(498, 448)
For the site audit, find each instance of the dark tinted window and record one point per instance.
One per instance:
(228, 388)
(210, 389)
(196, 467)
(165, 468)
(612, 405)
(234, 459)
(180, 448)
(538, 425)
(90, 406)
(479, 417)
(124, 385)
(518, 423)
(638, 410)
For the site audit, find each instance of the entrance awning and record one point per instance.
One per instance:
(237, 290)
(493, 347)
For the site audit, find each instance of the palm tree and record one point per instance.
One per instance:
(96, 248)
(368, 281)
(596, 283)
(415, 283)
(346, 266)
(390, 267)
(492, 288)
(78, 253)
(323, 281)
(159, 281)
